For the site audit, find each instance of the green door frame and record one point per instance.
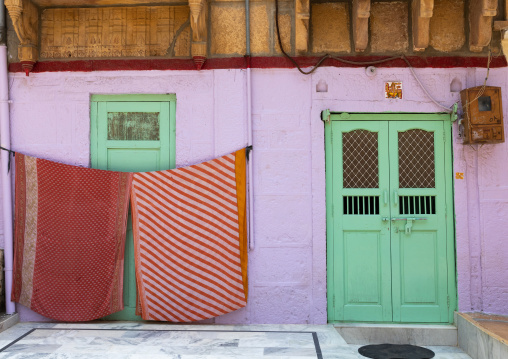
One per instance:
(99, 106)
(94, 107)
(327, 118)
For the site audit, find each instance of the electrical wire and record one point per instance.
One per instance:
(482, 89)
(368, 63)
(326, 56)
(447, 109)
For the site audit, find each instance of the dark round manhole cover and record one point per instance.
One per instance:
(395, 351)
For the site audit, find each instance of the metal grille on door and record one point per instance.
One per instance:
(360, 170)
(416, 170)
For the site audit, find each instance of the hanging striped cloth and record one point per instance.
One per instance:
(190, 240)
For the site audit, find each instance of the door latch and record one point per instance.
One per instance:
(409, 225)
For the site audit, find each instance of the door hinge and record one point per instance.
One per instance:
(444, 137)
(448, 301)
(333, 301)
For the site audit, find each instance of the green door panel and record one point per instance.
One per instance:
(419, 263)
(363, 246)
(132, 134)
(389, 229)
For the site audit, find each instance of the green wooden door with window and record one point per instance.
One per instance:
(389, 218)
(132, 133)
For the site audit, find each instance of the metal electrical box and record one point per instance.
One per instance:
(483, 115)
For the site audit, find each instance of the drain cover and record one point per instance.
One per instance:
(395, 351)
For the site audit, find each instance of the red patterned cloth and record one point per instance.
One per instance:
(69, 239)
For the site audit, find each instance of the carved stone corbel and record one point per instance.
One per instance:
(481, 13)
(503, 27)
(361, 15)
(198, 14)
(422, 13)
(25, 19)
(302, 16)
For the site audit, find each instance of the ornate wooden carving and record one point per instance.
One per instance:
(25, 19)
(199, 13)
(113, 32)
(361, 15)
(422, 13)
(302, 17)
(481, 13)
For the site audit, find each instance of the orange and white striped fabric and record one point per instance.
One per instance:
(190, 240)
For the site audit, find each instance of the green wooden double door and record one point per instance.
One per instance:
(132, 133)
(390, 218)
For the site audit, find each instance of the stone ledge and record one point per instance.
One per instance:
(8, 320)
(398, 334)
(479, 342)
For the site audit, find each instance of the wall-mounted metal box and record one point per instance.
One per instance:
(483, 115)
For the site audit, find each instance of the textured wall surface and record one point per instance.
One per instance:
(287, 269)
(447, 25)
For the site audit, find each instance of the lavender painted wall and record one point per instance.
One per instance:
(50, 117)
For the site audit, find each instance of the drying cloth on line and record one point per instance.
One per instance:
(69, 239)
(190, 240)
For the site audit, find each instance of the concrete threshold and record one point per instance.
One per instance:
(8, 320)
(414, 334)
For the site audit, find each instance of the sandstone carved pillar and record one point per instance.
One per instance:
(25, 19)
(302, 17)
(481, 13)
(422, 13)
(361, 15)
(198, 12)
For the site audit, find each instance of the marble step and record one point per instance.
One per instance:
(481, 339)
(8, 320)
(354, 333)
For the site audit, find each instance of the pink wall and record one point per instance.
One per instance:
(287, 270)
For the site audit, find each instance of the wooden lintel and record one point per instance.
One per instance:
(25, 19)
(481, 13)
(422, 11)
(361, 15)
(198, 14)
(302, 17)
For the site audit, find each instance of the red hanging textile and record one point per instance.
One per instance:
(69, 239)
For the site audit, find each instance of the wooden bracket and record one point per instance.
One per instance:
(361, 15)
(302, 16)
(198, 14)
(422, 13)
(25, 19)
(481, 13)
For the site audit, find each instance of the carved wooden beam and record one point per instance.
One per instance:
(422, 13)
(481, 13)
(361, 15)
(302, 16)
(25, 19)
(198, 14)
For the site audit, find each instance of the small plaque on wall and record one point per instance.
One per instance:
(483, 115)
(393, 90)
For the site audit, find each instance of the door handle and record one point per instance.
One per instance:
(395, 198)
(385, 196)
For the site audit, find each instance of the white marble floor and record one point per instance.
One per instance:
(132, 340)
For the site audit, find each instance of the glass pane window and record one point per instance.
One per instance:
(133, 126)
